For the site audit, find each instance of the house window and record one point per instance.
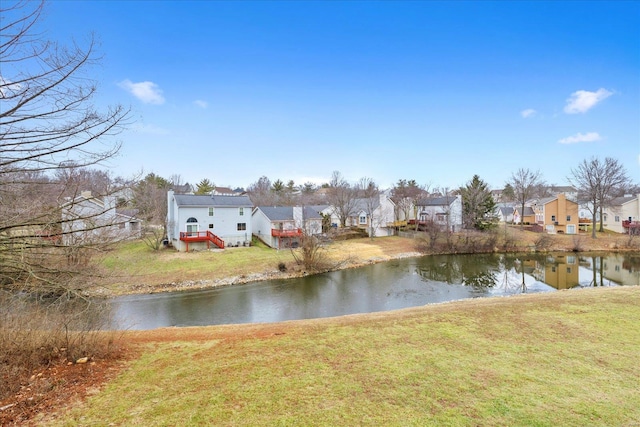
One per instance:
(568, 218)
(553, 218)
(363, 219)
(569, 270)
(211, 211)
(440, 217)
(210, 225)
(617, 218)
(242, 226)
(241, 211)
(192, 226)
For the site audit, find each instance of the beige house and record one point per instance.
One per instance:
(623, 215)
(557, 214)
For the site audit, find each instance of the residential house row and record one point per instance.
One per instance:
(563, 213)
(221, 220)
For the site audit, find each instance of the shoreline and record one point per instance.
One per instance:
(275, 274)
(242, 279)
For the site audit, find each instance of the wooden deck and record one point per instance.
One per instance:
(632, 227)
(201, 236)
(296, 232)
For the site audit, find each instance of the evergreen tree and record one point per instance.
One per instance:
(205, 187)
(478, 205)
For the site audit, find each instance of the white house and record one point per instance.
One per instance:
(283, 226)
(376, 215)
(623, 214)
(200, 222)
(87, 219)
(443, 211)
(505, 213)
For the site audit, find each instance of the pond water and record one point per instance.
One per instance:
(379, 287)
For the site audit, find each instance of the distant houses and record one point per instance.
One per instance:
(87, 219)
(228, 218)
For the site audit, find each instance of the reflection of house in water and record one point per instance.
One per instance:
(621, 268)
(560, 272)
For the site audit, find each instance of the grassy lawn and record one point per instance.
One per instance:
(566, 358)
(134, 262)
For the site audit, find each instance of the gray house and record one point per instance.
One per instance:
(201, 222)
(87, 218)
(446, 212)
(283, 226)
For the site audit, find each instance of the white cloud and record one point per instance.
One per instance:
(581, 137)
(582, 101)
(529, 112)
(200, 103)
(147, 92)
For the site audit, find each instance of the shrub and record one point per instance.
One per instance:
(543, 242)
(36, 333)
(578, 243)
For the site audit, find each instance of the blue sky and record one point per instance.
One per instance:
(431, 91)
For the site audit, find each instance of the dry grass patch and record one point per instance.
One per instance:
(567, 358)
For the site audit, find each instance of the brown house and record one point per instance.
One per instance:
(557, 214)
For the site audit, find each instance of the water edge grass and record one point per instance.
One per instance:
(566, 358)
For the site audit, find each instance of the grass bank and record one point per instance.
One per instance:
(566, 358)
(134, 268)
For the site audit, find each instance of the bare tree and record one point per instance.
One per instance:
(596, 181)
(343, 197)
(307, 193)
(150, 198)
(48, 125)
(260, 192)
(405, 194)
(526, 184)
(370, 194)
(613, 179)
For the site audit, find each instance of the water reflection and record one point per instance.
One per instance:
(380, 287)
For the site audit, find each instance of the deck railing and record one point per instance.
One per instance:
(201, 236)
(296, 232)
(631, 224)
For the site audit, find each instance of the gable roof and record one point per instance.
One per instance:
(192, 200)
(528, 211)
(285, 213)
(551, 199)
(618, 201)
(131, 213)
(506, 210)
(361, 205)
(436, 201)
